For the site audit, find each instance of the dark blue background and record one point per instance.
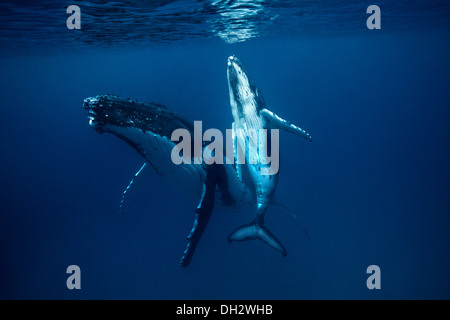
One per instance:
(372, 188)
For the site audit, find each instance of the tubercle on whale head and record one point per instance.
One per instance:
(104, 110)
(239, 86)
(109, 113)
(244, 95)
(92, 105)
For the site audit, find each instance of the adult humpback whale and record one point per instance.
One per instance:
(148, 128)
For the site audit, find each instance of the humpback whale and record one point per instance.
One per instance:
(250, 112)
(148, 128)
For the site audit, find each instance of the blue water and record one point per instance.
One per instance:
(372, 188)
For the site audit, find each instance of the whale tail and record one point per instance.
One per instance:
(257, 230)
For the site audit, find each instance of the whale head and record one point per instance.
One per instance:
(245, 97)
(139, 124)
(109, 113)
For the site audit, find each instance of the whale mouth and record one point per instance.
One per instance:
(93, 106)
(240, 87)
(236, 72)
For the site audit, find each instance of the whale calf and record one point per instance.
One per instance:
(148, 128)
(250, 113)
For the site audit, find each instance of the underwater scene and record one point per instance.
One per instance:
(225, 149)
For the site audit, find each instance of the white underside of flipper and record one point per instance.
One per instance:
(280, 123)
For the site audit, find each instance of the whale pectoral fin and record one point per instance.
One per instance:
(124, 194)
(297, 221)
(284, 124)
(255, 230)
(202, 214)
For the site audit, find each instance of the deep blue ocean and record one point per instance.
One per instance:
(373, 188)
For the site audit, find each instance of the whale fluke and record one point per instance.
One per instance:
(257, 230)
